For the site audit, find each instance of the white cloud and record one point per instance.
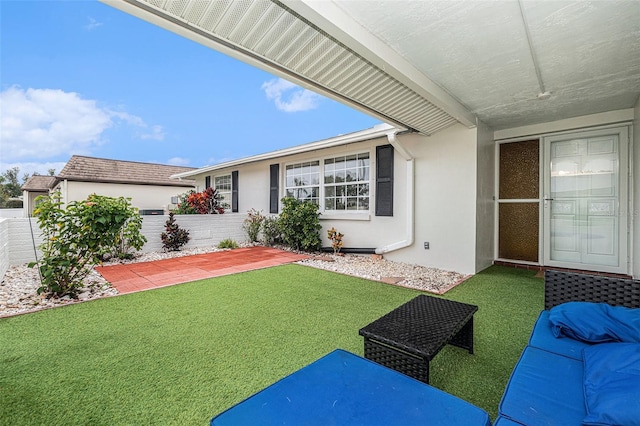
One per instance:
(178, 161)
(93, 24)
(157, 133)
(289, 97)
(33, 167)
(43, 123)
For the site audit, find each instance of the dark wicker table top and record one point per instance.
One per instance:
(421, 326)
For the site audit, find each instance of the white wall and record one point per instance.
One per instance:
(16, 244)
(142, 196)
(636, 194)
(445, 194)
(485, 203)
(253, 192)
(4, 246)
(11, 212)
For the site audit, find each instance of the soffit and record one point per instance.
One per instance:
(272, 36)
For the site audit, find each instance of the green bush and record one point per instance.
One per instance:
(300, 224)
(174, 237)
(227, 244)
(270, 231)
(252, 224)
(13, 204)
(76, 238)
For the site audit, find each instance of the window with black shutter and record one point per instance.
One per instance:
(384, 180)
(274, 189)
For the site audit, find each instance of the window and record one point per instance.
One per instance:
(223, 185)
(344, 185)
(303, 181)
(346, 182)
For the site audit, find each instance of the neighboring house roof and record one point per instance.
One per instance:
(91, 169)
(38, 183)
(378, 131)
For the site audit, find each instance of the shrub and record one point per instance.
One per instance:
(271, 231)
(183, 204)
(174, 237)
(205, 202)
(227, 244)
(13, 204)
(252, 224)
(75, 238)
(299, 224)
(336, 239)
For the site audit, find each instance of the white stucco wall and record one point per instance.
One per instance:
(142, 196)
(253, 192)
(636, 193)
(485, 218)
(445, 200)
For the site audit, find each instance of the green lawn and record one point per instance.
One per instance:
(182, 354)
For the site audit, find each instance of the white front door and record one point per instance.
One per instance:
(585, 200)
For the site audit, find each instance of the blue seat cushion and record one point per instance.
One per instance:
(612, 384)
(544, 389)
(542, 337)
(503, 421)
(595, 322)
(344, 389)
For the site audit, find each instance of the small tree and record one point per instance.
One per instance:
(336, 239)
(75, 238)
(183, 204)
(270, 231)
(300, 224)
(174, 237)
(252, 224)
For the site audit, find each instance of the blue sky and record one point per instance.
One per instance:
(80, 77)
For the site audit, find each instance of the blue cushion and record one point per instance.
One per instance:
(543, 338)
(344, 389)
(612, 384)
(544, 389)
(595, 322)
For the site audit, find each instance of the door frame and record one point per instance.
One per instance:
(624, 129)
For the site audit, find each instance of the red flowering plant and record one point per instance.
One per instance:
(206, 202)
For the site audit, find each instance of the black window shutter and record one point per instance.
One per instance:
(384, 180)
(274, 190)
(234, 191)
(207, 182)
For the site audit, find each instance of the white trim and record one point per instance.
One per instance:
(375, 132)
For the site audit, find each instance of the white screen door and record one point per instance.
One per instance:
(585, 187)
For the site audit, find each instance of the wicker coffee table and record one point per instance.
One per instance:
(408, 337)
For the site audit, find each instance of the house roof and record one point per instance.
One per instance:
(38, 183)
(378, 131)
(426, 65)
(91, 169)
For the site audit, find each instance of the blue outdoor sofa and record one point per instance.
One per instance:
(547, 386)
(561, 379)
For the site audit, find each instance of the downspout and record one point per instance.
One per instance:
(410, 182)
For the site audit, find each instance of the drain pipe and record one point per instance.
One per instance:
(408, 241)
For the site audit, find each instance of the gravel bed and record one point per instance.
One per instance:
(18, 289)
(418, 277)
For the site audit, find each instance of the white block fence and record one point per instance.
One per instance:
(16, 242)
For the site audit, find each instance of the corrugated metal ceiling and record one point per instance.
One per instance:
(271, 33)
